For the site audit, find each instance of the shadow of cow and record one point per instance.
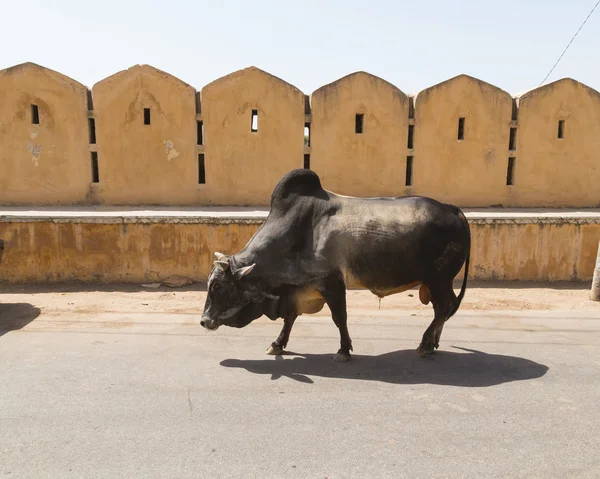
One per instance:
(469, 368)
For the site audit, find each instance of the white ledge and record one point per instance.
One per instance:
(221, 215)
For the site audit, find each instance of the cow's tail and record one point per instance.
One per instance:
(463, 289)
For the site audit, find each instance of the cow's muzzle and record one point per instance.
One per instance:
(209, 324)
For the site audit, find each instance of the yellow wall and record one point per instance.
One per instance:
(146, 164)
(52, 251)
(535, 251)
(91, 252)
(468, 172)
(558, 172)
(45, 163)
(158, 164)
(243, 167)
(371, 163)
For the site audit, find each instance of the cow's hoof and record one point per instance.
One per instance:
(274, 350)
(425, 349)
(342, 357)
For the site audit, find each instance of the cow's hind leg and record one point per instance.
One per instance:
(334, 293)
(280, 343)
(444, 302)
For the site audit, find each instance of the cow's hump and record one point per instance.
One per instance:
(300, 182)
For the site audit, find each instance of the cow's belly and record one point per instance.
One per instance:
(385, 260)
(310, 301)
(383, 292)
(383, 274)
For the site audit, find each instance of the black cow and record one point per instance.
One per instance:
(315, 242)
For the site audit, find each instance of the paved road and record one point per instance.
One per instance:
(154, 395)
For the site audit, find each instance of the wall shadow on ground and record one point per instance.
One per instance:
(15, 316)
(80, 287)
(467, 368)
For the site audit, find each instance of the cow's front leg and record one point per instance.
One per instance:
(334, 293)
(280, 343)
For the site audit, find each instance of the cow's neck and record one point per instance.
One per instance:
(268, 244)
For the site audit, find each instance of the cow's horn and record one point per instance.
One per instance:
(219, 256)
(222, 265)
(241, 272)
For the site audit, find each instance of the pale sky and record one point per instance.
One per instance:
(412, 44)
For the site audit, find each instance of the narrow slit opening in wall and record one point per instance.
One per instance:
(358, 128)
(561, 129)
(510, 171)
(254, 124)
(35, 115)
(201, 169)
(146, 116)
(90, 101)
(307, 134)
(411, 134)
(515, 110)
(307, 161)
(461, 128)
(198, 103)
(411, 107)
(512, 141)
(95, 170)
(409, 168)
(92, 128)
(200, 133)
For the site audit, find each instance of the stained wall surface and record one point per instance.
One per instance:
(555, 171)
(467, 167)
(153, 250)
(359, 135)
(142, 163)
(44, 157)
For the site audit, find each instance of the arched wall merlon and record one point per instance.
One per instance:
(24, 68)
(553, 85)
(461, 140)
(558, 146)
(359, 135)
(43, 137)
(422, 94)
(146, 134)
(253, 124)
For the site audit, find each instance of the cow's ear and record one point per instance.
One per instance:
(220, 256)
(241, 272)
(223, 265)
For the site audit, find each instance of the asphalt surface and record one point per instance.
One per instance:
(115, 395)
